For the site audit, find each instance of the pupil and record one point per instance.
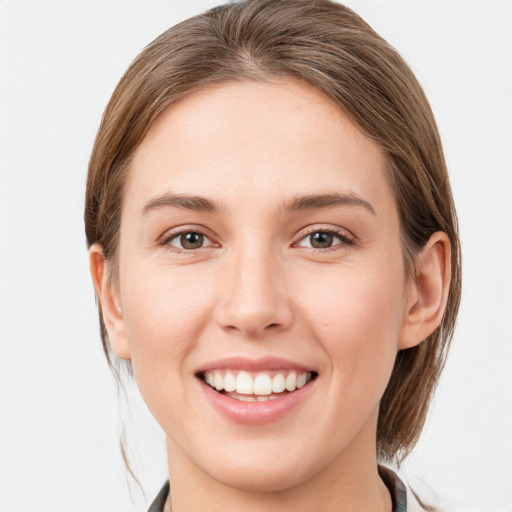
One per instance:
(192, 240)
(321, 240)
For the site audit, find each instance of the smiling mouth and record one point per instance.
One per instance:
(256, 386)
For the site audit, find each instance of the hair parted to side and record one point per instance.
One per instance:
(330, 47)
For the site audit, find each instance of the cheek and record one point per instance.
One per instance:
(356, 317)
(164, 313)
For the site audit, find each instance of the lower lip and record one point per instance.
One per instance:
(255, 413)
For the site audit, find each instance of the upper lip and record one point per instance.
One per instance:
(254, 365)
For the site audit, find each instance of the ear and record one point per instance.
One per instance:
(428, 291)
(109, 303)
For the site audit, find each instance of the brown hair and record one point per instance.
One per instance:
(333, 49)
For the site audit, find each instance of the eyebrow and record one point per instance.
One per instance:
(185, 202)
(311, 202)
(299, 203)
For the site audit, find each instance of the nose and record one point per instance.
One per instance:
(253, 296)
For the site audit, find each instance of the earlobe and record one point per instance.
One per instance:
(428, 292)
(109, 303)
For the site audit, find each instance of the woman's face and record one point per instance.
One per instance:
(260, 241)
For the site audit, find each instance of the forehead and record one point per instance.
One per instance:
(260, 140)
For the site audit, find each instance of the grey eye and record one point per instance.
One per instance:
(321, 240)
(188, 241)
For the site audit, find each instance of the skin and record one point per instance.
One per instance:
(257, 287)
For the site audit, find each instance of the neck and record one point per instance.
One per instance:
(350, 482)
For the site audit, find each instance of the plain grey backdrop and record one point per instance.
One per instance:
(59, 63)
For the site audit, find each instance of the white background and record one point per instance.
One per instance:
(59, 63)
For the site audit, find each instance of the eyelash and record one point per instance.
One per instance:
(166, 241)
(345, 240)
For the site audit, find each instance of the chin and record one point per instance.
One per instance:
(258, 479)
(264, 469)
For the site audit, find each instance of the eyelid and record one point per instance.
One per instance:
(169, 235)
(347, 238)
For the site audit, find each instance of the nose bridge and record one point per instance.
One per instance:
(253, 299)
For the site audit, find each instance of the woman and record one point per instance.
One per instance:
(274, 247)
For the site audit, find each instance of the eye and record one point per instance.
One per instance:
(324, 239)
(189, 241)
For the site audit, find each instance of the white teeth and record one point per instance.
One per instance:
(244, 384)
(229, 382)
(247, 398)
(262, 385)
(278, 383)
(219, 382)
(259, 387)
(266, 398)
(291, 381)
(301, 380)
